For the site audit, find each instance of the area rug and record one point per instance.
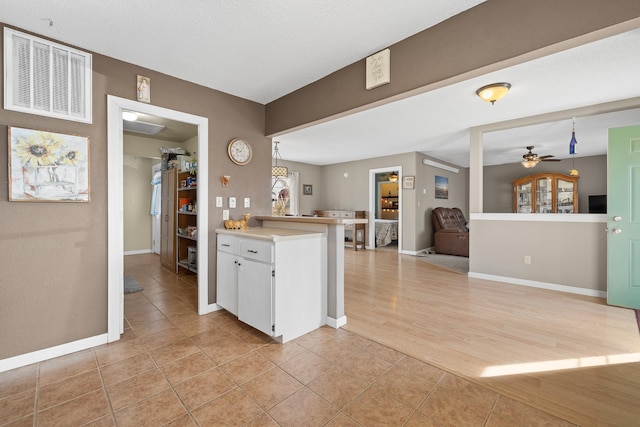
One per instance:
(130, 285)
(458, 264)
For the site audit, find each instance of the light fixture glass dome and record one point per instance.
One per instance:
(493, 92)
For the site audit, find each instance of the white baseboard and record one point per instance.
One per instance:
(138, 252)
(336, 323)
(51, 352)
(542, 285)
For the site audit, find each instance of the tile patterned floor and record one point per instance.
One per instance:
(175, 368)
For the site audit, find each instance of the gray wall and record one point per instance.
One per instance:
(498, 181)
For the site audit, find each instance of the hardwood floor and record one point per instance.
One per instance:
(569, 355)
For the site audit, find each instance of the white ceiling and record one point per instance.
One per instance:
(262, 50)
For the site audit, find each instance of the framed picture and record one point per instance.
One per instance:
(143, 88)
(408, 182)
(307, 189)
(47, 166)
(442, 187)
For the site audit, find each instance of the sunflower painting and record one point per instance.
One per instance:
(47, 166)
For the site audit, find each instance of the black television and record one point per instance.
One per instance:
(598, 204)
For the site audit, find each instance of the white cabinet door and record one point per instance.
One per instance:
(227, 282)
(255, 295)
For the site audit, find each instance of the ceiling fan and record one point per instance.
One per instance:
(531, 159)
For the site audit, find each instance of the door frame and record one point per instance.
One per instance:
(115, 209)
(373, 204)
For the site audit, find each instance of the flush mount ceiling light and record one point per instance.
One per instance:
(493, 92)
(129, 116)
(393, 177)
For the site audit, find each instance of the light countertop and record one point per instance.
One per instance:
(270, 234)
(314, 219)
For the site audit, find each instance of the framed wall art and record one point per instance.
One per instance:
(408, 182)
(307, 189)
(442, 187)
(47, 166)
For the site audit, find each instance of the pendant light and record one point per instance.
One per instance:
(393, 177)
(572, 150)
(277, 170)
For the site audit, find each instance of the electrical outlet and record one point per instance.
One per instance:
(218, 202)
(232, 202)
(225, 214)
(527, 259)
(247, 202)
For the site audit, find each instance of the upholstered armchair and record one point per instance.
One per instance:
(451, 234)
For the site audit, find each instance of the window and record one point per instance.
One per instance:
(46, 78)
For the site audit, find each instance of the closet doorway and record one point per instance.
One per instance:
(385, 208)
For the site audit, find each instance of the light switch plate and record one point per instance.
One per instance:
(225, 214)
(218, 202)
(232, 202)
(247, 202)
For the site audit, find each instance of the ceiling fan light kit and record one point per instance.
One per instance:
(493, 92)
(531, 159)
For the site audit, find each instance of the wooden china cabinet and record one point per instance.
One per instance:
(546, 193)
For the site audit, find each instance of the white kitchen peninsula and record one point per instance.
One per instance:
(273, 279)
(333, 267)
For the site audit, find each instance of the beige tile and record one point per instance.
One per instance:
(68, 388)
(338, 386)
(174, 351)
(204, 387)
(306, 366)
(234, 408)
(333, 351)
(79, 411)
(119, 350)
(280, 353)
(136, 319)
(246, 367)
(262, 420)
(136, 388)
(66, 366)
(183, 421)
(22, 422)
(18, 380)
(210, 337)
(187, 367)
(255, 339)
(162, 338)
(456, 401)
(507, 412)
(342, 420)
(410, 381)
(366, 365)
(317, 336)
(17, 406)
(374, 408)
(152, 327)
(106, 421)
(303, 408)
(385, 353)
(271, 387)
(127, 368)
(156, 410)
(350, 339)
(421, 420)
(225, 349)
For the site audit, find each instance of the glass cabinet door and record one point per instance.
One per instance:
(544, 195)
(565, 196)
(524, 197)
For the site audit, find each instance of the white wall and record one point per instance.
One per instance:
(137, 202)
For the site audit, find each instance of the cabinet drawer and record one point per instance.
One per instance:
(230, 244)
(257, 250)
(347, 214)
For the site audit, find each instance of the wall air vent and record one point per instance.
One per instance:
(46, 78)
(141, 127)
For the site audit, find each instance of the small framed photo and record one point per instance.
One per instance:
(408, 182)
(143, 89)
(307, 189)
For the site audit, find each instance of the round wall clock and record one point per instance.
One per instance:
(239, 151)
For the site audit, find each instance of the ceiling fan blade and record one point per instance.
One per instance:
(546, 157)
(542, 159)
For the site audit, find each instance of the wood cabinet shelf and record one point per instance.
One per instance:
(545, 193)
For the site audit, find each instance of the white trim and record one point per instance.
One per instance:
(373, 204)
(336, 323)
(138, 252)
(538, 217)
(51, 352)
(542, 285)
(115, 269)
(440, 165)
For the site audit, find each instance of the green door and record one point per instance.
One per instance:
(623, 217)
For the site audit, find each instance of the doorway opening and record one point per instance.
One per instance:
(385, 208)
(115, 108)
